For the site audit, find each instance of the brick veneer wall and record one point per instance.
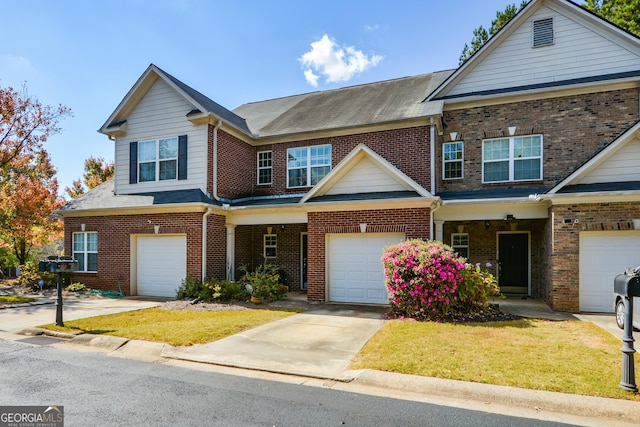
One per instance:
(114, 244)
(562, 281)
(413, 222)
(407, 149)
(216, 247)
(249, 249)
(573, 128)
(483, 244)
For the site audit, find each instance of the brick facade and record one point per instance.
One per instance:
(414, 222)
(114, 244)
(573, 129)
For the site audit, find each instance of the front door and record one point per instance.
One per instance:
(513, 263)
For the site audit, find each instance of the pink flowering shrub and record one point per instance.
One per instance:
(428, 281)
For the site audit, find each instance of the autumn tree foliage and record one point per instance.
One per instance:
(28, 187)
(96, 171)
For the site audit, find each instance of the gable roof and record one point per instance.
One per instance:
(347, 164)
(492, 69)
(572, 182)
(202, 105)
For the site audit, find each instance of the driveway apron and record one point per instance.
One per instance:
(318, 343)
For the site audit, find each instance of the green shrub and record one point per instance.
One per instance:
(225, 290)
(30, 276)
(265, 282)
(477, 287)
(76, 287)
(191, 287)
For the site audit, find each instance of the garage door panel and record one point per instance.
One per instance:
(604, 255)
(161, 265)
(355, 268)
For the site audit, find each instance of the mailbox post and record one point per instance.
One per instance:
(58, 265)
(628, 285)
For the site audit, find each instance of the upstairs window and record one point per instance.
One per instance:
(264, 167)
(543, 34)
(516, 158)
(85, 250)
(452, 159)
(158, 160)
(306, 166)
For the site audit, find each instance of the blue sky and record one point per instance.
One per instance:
(87, 54)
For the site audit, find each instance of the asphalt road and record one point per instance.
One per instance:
(98, 390)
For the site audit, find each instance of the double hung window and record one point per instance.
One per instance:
(516, 158)
(452, 158)
(270, 246)
(264, 167)
(307, 165)
(85, 250)
(158, 160)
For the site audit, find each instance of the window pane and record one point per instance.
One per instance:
(147, 172)
(526, 169)
(92, 262)
(168, 169)
(321, 155)
(453, 170)
(463, 252)
(79, 256)
(460, 239)
(264, 176)
(296, 157)
(264, 159)
(453, 151)
(527, 146)
(496, 149)
(496, 171)
(169, 148)
(297, 178)
(92, 242)
(146, 151)
(318, 173)
(78, 242)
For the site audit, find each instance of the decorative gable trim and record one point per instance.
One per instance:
(598, 158)
(349, 162)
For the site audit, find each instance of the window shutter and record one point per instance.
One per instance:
(543, 32)
(133, 163)
(182, 157)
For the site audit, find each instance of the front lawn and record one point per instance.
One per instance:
(569, 357)
(14, 299)
(175, 327)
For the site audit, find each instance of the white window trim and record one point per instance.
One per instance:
(158, 160)
(308, 166)
(85, 251)
(444, 162)
(453, 236)
(512, 159)
(270, 167)
(266, 246)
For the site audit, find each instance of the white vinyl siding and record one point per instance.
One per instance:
(622, 166)
(161, 113)
(579, 50)
(366, 177)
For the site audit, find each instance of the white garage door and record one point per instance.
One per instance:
(604, 255)
(355, 270)
(162, 265)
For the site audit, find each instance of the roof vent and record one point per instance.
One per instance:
(543, 32)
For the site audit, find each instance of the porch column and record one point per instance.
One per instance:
(231, 251)
(439, 229)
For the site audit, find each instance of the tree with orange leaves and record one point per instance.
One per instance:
(28, 187)
(96, 171)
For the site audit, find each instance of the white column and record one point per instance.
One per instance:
(231, 251)
(439, 229)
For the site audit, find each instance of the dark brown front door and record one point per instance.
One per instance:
(513, 263)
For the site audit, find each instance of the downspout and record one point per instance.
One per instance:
(215, 160)
(204, 242)
(432, 142)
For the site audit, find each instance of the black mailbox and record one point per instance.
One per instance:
(58, 265)
(628, 286)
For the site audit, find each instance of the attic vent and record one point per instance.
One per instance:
(543, 32)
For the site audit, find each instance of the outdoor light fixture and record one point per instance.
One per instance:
(509, 217)
(487, 224)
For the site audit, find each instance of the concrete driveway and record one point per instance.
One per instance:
(318, 343)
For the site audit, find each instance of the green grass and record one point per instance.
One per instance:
(570, 356)
(175, 327)
(14, 299)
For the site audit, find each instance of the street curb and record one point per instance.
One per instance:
(101, 341)
(586, 406)
(28, 304)
(47, 332)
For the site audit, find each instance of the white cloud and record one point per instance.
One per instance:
(335, 63)
(371, 27)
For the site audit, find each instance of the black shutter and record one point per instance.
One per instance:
(182, 157)
(133, 163)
